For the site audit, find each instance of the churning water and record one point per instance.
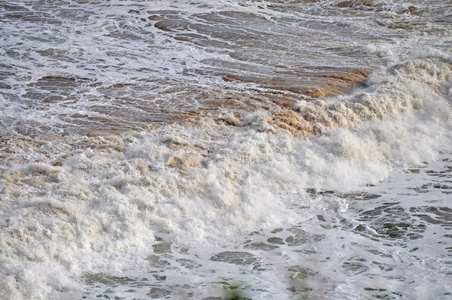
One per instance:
(206, 149)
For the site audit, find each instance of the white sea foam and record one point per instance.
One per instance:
(209, 185)
(357, 207)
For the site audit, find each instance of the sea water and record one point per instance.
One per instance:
(216, 149)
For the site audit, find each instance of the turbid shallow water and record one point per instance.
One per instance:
(270, 149)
